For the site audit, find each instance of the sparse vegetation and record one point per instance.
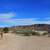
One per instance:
(35, 33)
(45, 33)
(26, 34)
(5, 30)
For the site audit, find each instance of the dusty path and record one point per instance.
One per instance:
(15, 42)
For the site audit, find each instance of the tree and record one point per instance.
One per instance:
(5, 30)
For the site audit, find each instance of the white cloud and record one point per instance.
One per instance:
(14, 22)
(29, 21)
(6, 15)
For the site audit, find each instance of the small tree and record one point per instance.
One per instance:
(5, 30)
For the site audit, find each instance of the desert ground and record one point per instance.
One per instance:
(17, 42)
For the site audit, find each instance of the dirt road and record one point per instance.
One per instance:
(15, 42)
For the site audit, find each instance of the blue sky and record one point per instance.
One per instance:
(24, 12)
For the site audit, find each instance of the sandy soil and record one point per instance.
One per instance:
(16, 42)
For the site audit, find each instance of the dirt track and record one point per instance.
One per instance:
(15, 42)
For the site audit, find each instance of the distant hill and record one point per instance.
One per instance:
(31, 27)
(35, 26)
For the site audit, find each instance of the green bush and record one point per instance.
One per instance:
(35, 33)
(45, 33)
(26, 33)
(5, 30)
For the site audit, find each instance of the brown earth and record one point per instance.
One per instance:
(16, 42)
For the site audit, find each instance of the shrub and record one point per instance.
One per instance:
(26, 34)
(35, 33)
(5, 30)
(45, 33)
